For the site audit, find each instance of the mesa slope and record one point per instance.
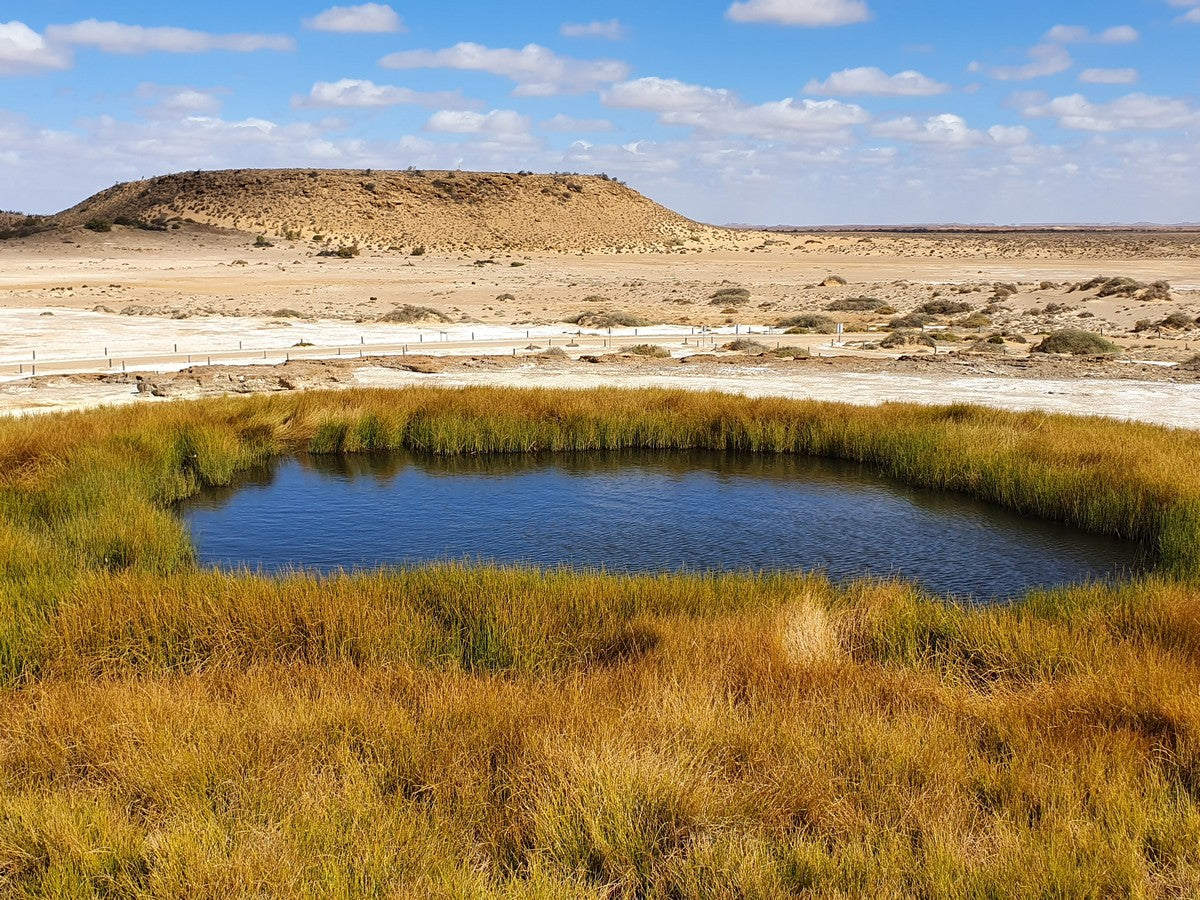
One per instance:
(402, 210)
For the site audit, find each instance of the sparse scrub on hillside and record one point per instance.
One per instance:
(97, 224)
(1076, 342)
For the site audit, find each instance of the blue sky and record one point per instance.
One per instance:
(762, 111)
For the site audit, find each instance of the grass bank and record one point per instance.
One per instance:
(473, 731)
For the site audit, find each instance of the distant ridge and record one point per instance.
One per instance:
(402, 210)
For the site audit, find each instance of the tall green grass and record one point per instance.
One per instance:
(461, 731)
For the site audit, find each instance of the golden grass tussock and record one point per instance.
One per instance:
(473, 731)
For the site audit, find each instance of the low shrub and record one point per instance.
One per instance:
(808, 322)
(1076, 342)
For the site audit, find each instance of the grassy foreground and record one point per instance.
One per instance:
(465, 732)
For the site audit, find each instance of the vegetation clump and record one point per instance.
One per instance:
(1159, 291)
(855, 304)
(1076, 342)
(745, 345)
(408, 313)
(652, 351)
(942, 307)
(731, 296)
(609, 319)
(97, 224)
(907, 337)
(805, 323)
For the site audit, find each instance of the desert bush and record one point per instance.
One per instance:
(944, 307)
(98, 224)
(974, 320)
(408, 313)
(745, 345)
(1176, 320)
(808, 322)
(911, 320)
(791, 352)
(609, 319)
(418, 250)
(905, 337)
(731, 296)
(855, 304)
(1076, 342)
(654, 351)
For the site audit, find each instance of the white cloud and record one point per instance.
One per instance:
(538, 72)
(718, 111)
(610, 30)
(499, 123)
(362, 94)
(369, 18)
(566, 123)
(1044, 59)
(113, 37)
(1192, 16)
(1133, 112)
(1079, 34)
(952, 132)
(806, 13)
(877, 83)
(177, 102)
(1109, 76)
(23, 50)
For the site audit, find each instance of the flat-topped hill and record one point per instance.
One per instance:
(403, 210)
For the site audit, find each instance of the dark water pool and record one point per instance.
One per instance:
(638, 512)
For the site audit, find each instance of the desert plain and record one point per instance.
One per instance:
(227, 282)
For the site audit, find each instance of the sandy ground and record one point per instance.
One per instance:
(151, 303)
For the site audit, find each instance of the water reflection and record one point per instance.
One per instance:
(637, 511)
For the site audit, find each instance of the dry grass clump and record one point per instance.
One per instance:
(607, 319)
(408, 314)
(499, 732)
(805, 323)
(1076, 342)
(731, 296)
(653, 351)
(855, 304)
(907, 337)
(1158, 291)
(745, 345)
(942, 307)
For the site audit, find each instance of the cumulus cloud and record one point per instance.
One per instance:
(113, 37)
(876, 83)
(805, 13)
(176, 102)
(369, 18)
(1133, 112)
(567, 123)
(611, 30)
(951, 131)
(1108, 76)
(537, 71)
(499, 123)
(718, 111)
(1079, 34)
(1044, 59)
(1192, 16)
(23, 50)
(363, 94)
